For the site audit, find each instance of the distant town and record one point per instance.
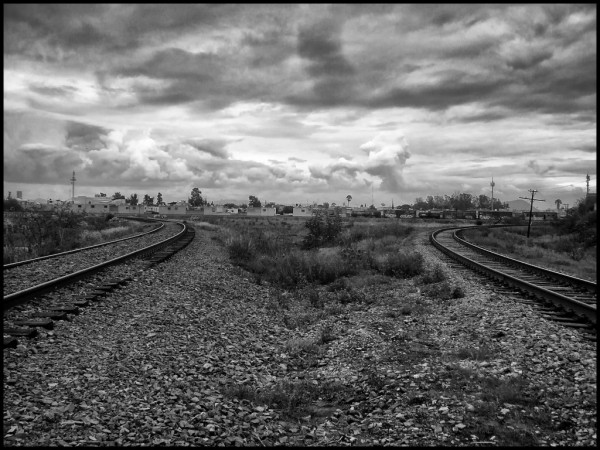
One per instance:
(456, 205)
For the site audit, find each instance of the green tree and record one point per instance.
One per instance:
(461, 201)
(322, 228)
(196, 198)
(484, 202)
(133, 199)
(159, 200)
(117, 195)
(420, 203)
(12, 204)
(349, 198)
(254, 202)
(558, 202)
(148, 201)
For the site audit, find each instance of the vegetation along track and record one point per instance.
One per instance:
(157, 226)
(568, 294)
(24, 282)
(26, 274)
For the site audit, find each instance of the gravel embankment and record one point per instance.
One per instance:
(167, 359)
(28, 275)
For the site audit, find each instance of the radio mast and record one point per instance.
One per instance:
(73, 187)
(587, 183)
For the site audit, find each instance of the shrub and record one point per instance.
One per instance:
(326, 334)
(322, 229)
(296, 268)
(241, 248)
(314, 299)
(458, 292)
(434, 275)
(400, 265)
(350, 295)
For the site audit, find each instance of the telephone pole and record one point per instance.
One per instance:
(533, 191)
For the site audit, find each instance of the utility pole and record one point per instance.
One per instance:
(73, 180)
(533, 191)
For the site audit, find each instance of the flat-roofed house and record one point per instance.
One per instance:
(260, 211)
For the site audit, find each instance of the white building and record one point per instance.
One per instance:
(302, 211)
(260, 211)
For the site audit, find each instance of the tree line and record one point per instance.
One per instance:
(458, 201)
(195, 200)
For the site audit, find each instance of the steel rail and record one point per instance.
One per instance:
(579, 308)
(579, 282)
(55, 255)
(18, 297)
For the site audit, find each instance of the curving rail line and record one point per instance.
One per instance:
(82, 249)
(185, 235)
(565, 292)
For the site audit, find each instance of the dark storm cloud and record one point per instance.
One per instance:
(214, 147)
(455, 89)
(114, 28)
(54, 32)
(81, 136)
(540, 169)
(186, 77)
(174, 63)
(53, 91)
(320, 46)
(42, 164)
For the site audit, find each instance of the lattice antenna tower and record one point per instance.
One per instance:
(73, 180)
(587, 183)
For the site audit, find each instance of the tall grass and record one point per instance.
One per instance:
(31, 235)
(546, 247)
(271, 254)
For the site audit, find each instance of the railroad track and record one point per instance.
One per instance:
(60, 297)
(159, 226)
(566, 299)
(30, 273)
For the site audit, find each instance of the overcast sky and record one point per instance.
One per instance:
(300, 103)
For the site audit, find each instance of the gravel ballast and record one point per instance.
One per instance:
(167, 360)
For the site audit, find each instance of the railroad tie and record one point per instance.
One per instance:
(99, 292)
(89, 298)
(69, 309)
(55, 315)
(44, 323)
(103, 288)
(22, 332)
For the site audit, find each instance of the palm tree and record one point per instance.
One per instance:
(558, 202)
(349, 198)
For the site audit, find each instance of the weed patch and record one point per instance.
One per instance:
(400, 265)
(483, 353)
